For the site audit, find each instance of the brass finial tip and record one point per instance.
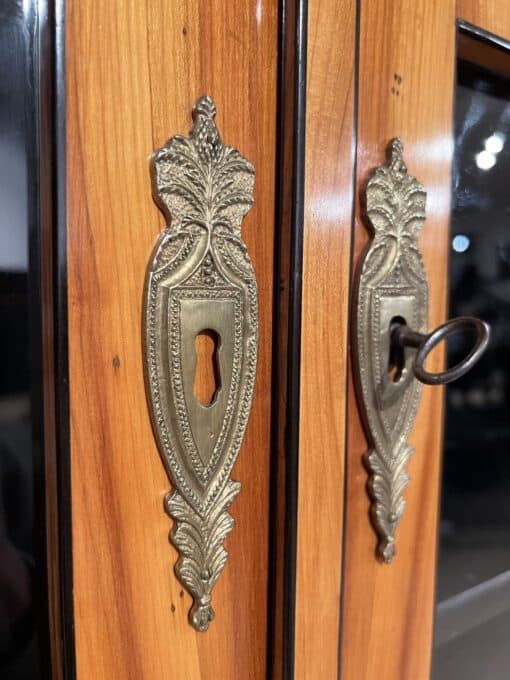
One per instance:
(204, 107)
(395, 155)
(200, 616)
(388, 551)
(396, 146)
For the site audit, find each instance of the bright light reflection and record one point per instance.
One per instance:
(494, 143)
(460, 243)
(485, 160)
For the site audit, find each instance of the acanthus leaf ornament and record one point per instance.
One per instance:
(200, 278)
(391, 287)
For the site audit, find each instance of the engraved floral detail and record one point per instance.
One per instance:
(200, 182)
(204, 188)
(387, 483)
(392, 269)
(200, 544)
(395, 208)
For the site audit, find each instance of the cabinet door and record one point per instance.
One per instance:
(405, 90)
(134, 72)
(311, 92)
(372, 620)
(413, 60)
(376, 71)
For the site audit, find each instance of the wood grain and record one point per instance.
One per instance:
(490, 15)
(134, 72)
(406, 80)
(325, 302)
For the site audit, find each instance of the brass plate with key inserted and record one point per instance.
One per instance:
(200, 279)
(391, 288)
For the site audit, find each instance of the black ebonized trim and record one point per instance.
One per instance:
(34, 124)
(485, 36)
(61, 342)
(276, 371)
(286, 349)
(44, 131)
(294, 335)
(52, 196)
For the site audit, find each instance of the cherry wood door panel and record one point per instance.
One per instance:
(405, 81)
(134, 71)
(490, 15)
(329, 162)
(374, 71)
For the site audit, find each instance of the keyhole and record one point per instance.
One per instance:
(396, 358)
(207, 372)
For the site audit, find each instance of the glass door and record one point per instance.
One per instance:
(473, 577)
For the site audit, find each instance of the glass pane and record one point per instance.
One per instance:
(473, 579)
(20, 566)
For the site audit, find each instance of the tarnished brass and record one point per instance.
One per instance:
(392, 288)
(200, 278)
(392, 341)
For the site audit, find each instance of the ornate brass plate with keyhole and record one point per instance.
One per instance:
(392, 286)
(200, 278)
(392, 342)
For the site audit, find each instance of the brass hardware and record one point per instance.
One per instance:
(200, 278)
(402, 335)
(392, 294)
(391, 285)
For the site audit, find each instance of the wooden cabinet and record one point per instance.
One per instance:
(311, 92)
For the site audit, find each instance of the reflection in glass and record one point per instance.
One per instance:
(473, 579)
(19, 564)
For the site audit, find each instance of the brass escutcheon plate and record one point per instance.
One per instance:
(391, 285)
(200, 278)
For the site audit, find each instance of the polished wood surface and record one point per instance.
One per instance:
(325, 302)
(406, 80)
(490, 15)
(134, 71)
